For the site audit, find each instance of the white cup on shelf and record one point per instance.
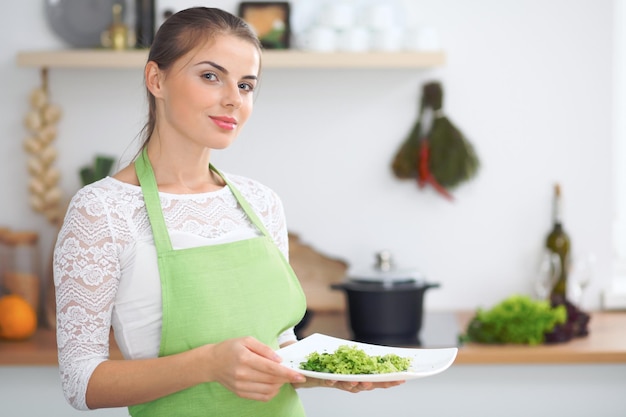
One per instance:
(422, 39)
(338, 15)
(388, 40)
(380, 16)
(319, 39)
(354, 39)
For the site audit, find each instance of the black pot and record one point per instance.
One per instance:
(302, 325)
(385, 313)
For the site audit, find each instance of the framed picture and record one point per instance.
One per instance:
(270, 21)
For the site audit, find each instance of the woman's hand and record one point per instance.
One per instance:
(350, 386)
(249, 368)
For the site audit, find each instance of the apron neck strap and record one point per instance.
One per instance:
(243, 203)
(150, 191)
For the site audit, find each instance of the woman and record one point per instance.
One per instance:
(188, 265)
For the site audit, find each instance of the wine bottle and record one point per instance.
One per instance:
(144, 22)
(558, 242)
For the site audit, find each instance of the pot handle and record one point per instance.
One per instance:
(428, 285)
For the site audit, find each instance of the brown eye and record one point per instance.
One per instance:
(246, 87)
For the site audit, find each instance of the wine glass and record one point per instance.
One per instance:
(547, 274)
(582, 274)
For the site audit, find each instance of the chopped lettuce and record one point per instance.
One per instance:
(352, 360)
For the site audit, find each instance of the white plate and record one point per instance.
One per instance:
(425, 362)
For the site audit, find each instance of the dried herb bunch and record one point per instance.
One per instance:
(436, 152)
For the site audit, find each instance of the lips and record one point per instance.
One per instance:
(224, 122)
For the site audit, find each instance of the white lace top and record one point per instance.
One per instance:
(106, 273)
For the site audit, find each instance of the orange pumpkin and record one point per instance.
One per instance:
(18, 319)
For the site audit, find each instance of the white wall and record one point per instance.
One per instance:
(619, 134)
(529, 82)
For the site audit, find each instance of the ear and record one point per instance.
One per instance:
(153, 76)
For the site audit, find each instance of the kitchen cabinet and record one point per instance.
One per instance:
(584, 377)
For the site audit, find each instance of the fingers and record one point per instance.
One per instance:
(257, 391)
(354, 386)
(350, 386)
(286, 374)
(261, 349)
(250, 368)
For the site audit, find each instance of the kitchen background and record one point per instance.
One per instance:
(528, 82)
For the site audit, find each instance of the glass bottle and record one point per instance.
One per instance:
(117, 36)
(558, 242)
(144, 23)
(5, 256)
(23, 275)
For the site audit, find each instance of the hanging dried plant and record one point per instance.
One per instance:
(435, 153)
(41, 121)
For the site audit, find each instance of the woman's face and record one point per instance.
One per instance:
(207, 95)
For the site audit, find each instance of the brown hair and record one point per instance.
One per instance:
(181, 33)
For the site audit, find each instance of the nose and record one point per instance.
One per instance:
(232, 96)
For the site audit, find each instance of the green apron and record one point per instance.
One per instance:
(218, 292)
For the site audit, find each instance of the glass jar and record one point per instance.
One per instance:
(22, 276)
(5, 256)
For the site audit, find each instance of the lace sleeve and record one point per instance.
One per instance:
(86, 277)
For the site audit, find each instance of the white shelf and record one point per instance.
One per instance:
(102, 58)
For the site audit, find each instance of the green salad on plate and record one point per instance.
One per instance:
(353, 360)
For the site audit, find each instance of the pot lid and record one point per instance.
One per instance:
(385, 271)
